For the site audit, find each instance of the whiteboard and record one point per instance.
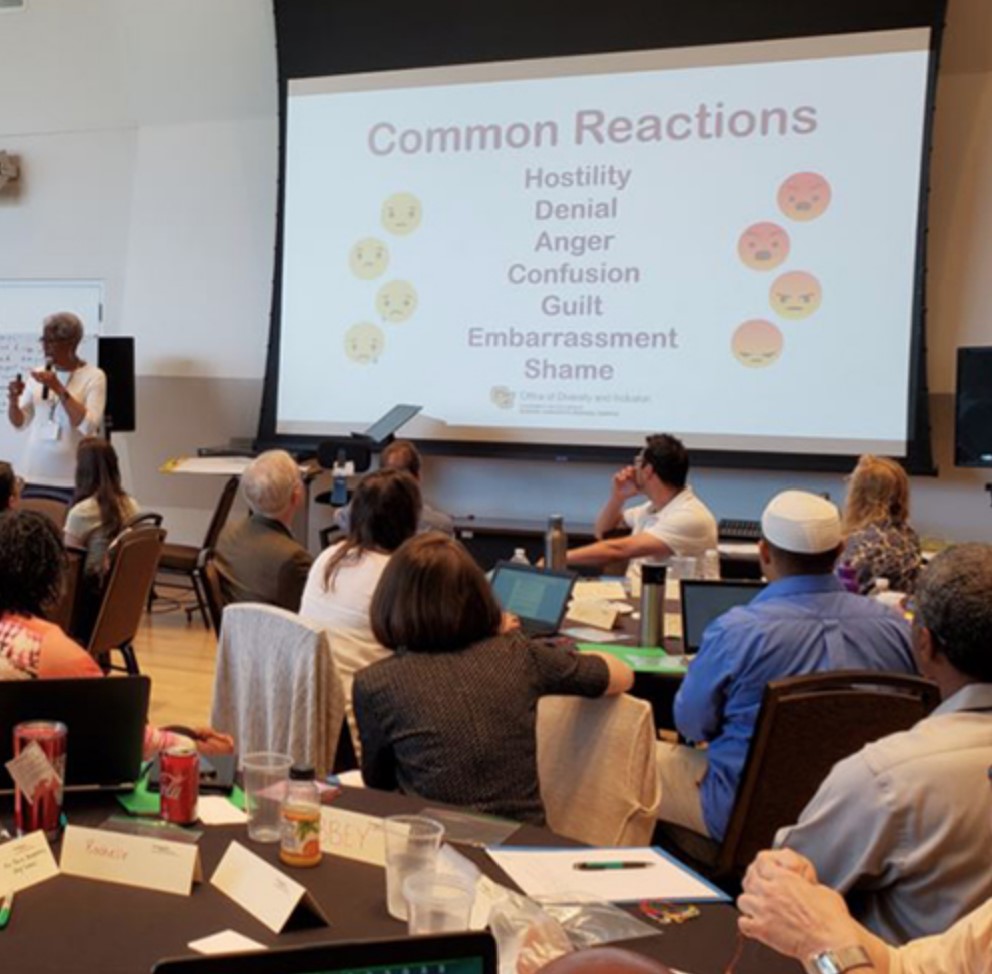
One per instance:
(23, 306)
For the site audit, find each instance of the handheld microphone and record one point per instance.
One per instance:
(45, 391)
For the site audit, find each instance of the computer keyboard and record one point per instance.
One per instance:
(738, 529)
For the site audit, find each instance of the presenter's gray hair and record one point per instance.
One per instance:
(269, 480)
(64, 326)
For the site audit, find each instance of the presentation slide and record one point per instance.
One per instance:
(718, 241)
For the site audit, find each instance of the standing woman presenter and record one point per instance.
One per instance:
(59, 404)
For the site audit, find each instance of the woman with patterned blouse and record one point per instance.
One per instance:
(879, 543)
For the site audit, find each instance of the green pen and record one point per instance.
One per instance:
(6, 905)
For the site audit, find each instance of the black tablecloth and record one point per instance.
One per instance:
(68, 924)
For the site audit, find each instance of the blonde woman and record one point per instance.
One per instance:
(879, 543)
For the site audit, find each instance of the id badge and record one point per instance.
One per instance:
(51, 430)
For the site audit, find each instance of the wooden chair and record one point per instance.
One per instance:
(133, 557)
(212, 591)
(596, 766)
(276, 687)
(187, 560)
(805, 726)
(55, 510)
(63, 611)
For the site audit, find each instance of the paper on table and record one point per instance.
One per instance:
(225, 942)
(352, 835)
(231, 466)
(26, 861)
(131, 860)
(586, 634)
(218, 810)
(553, 872)
(267, 894)
(599, 589)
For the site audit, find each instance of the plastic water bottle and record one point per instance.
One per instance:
(519, 557)
(555, 543)
(711, 565)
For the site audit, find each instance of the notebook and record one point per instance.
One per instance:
(105, 718)
(449, 953)
(538, 597)
(703, 601)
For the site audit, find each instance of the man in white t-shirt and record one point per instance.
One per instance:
(672, 521)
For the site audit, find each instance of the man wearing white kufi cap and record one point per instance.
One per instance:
(804, 621)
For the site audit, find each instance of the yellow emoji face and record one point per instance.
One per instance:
(401, 213)
(804, 196)
(763, 246)
(795, 295)
(756, 343)
(396, 301)
(369, 258)
(364, 342)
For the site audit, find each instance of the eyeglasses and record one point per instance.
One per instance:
(45, 340)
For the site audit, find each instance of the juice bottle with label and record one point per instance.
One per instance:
(300, 833)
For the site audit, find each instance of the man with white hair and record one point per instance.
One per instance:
(258, 559)
(804, 621)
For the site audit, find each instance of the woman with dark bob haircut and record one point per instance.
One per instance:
(384, 513)
(451, 716)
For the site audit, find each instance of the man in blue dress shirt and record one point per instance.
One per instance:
(804, 621)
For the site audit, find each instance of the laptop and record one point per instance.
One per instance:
(537, 597)
(105, 717)
(448, 953)
(704, 600)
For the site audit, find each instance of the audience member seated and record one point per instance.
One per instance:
(384, 513)
(902, 827)
(451, 715)
(802, 622)
(672, 521)
(10, 487)
(31, 648)
(100, 505)
(257, 558)
(785, 907)
(403, 455)
(879, 543)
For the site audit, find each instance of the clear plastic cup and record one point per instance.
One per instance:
(412, 843)
(437, 902)
(266, 774)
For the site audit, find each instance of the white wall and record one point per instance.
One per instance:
(147, 132)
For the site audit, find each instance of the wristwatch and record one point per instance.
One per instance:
(839, 961)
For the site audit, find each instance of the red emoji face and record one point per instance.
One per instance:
(795, 295)
(756, 343)
(763, 246)
(804, 196)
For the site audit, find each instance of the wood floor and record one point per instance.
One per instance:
(179, 657)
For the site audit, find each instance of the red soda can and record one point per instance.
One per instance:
(179, 784)
(43, 810)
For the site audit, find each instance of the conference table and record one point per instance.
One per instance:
(73, 924)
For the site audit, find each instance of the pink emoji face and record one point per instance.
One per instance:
(795, 295)
(804, 196)
(756, 343)
(763, 246)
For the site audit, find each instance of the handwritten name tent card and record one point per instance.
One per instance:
(131, 860)
(352, 836)
(267, 894)
(25, 862)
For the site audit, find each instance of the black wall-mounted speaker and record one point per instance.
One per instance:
(116, 358)
(973, 408)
